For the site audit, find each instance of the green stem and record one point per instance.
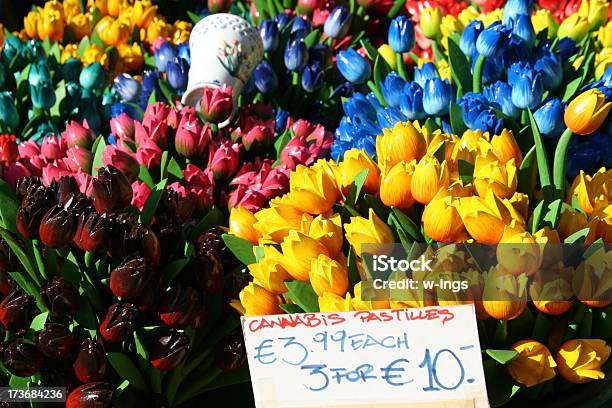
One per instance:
(197, 387)
(397, 6)
(377, 93)
(401, 68)
(477, 80)
(541, 157)
(173, 383)
(560, 158)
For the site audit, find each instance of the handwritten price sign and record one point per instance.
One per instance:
(427, 357)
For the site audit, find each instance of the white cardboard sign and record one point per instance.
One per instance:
(426, 357)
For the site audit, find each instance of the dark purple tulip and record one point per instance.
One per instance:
(179, 306)
(91, 363)
(15, 310)
(118, 322)
(60, 297)
(111, 190)
(170, 351)
(231, 353)
(57, 227)
(91, 395)
(128, 280)
(22, 359)
(55, 340)
(92, 232)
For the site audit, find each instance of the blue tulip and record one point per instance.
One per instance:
(359, 106)
(14, 49)
(184, 52)
(426, 72)
(527, 86)
(178, 73)
(606, 78)
(269, 35)
(549, 65)
(312, 77)
(282, 117)
(2, 75)
(337, 23)
(127, 87)
(467, 43)
(296, 54)
(300, 27)
(392, 89)
(71, 69)
(39, 73)
(34, 50)
(355, 132)
(514, 8)
(388, 117)
(492, 69)
(281, 20)
(150, 83)
(523, 28)
(549, 118)
(493, 40)
(343, 90)
(8, 113)
(401, 34)
(478, 113)
(42, 92)
(353, 67)
(93, 77)
(249, 85)
(499, 94)
(119, 108)
(487, 121)
(266, 80)
(166, 53)
(437, 95)
(567, 47)
(515, 51)
(411, 101)
(320, 53)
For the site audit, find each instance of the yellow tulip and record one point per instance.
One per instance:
(471, 295)
(586, 113)
(504, 295)
(550, 295)
(600, 225)
(591, 191)
(518, 252)
(574, 26)
(143, 13)
(603, 60)
(533, 365)
(94, 54)
(50, 22)
(471, 144)
(354, 161)
(468, 14)
(520, 203)
(116, 6)
(71, 8)
(402, 143)
(113, 32)
(604, 35)
(312, 190)
(69, 51)
(298, 252)
(543, 19)
(156, 28)
(241, 224)
(30, 23)
(550, 245)
(387, 53)
(452, 258)
(328, 275)
(330, 168)
(131, 58)
(328, 231)
(275, 222)
(592, 279)
(431, 18)
(571, 221)
(580, 360)
(441, 220)
(484, 218)
(80, 25)
(258, 301)
(330, 302)
(360, 304)
(368, 231)
(395, 185)
(430, 176)
(595, 11)
(269, 271)
(490, 174)
(505, 147)
(181, 31)
(101, 5)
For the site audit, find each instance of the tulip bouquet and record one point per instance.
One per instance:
(114, 303)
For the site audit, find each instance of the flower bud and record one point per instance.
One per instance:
(78, 135)
(191, 139)
(533, 365)
(122, 161)
(55, 340)
(60, 297)
(15, 310)
(241, 224)
(111, 190)
(92, 232)
(581, 360)
(94, 394)
(34, 206)
(179, 306)
(53, 148)
(170, 351)
(91, 363)
(129, 279)
(430, 21)
(368, 231)
(355, 161)
(117, 324)
(22, 359)
(231, 354)
(122, 127)
(217, 105)
(428, 178)
(57, 227)
(328, 275)
(587, 112)
(257, 301)
(224, 160)
(395, 185)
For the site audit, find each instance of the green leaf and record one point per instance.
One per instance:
(302, 294)
(571, 89)
(500, 386)
(536, 217)
(212, 219)
(39, 321)
(95, 39)
(577, 237)
(241, 248)
(370, 51)
(85, 314)
(145, 176)
(353, 271)
(407, 224)
(150, 205)
(60, 95)
(456, 118)
(466, 171)
(98, 154)
(312, 38)
(381, 70)
(175, 169)
(290, 308)
(173, 269)
(25, 284)
(282, 141)
(141, 351)
(195, 19)
(360, 180)
(9, 204)
(541, 157)
(23, 257)
(541, 328)
(527, 173)
(552, 215)
(167, 91)
(461, 69)
(83, 45)
(127, 370)
(502, 356)
(163, 167)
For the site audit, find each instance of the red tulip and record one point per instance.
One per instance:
(91, 395)
(8, 148)
(129, 280)
(259, 136)
(15, 172)
(54, 171)
(224, 159)
(15, 310)
(122, 127)
(35, 164)
(122, 161)
(217, 105)
(201, 185)
(252, 200)
(92, 232)
(85, 182)
(78, 135)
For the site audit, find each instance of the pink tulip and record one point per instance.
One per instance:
(79, 158)
(308, 6)
(53, 148)
(219, 6)
(78, 135)
(201, 185)
(54, 171)
(141, 194)
(85, 182)
(302, 128)
(276, 182)
(252, 200)
(217, 105)
(35, 165)
(28, 148)
(122, 160)
(258, 137)
(14, 172)
(191, 139)
(122, 127)
(224, 159)
(296, 152)
(160, 112)
(318, 17)
(149, 154)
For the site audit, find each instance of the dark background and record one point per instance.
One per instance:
(13, 11)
